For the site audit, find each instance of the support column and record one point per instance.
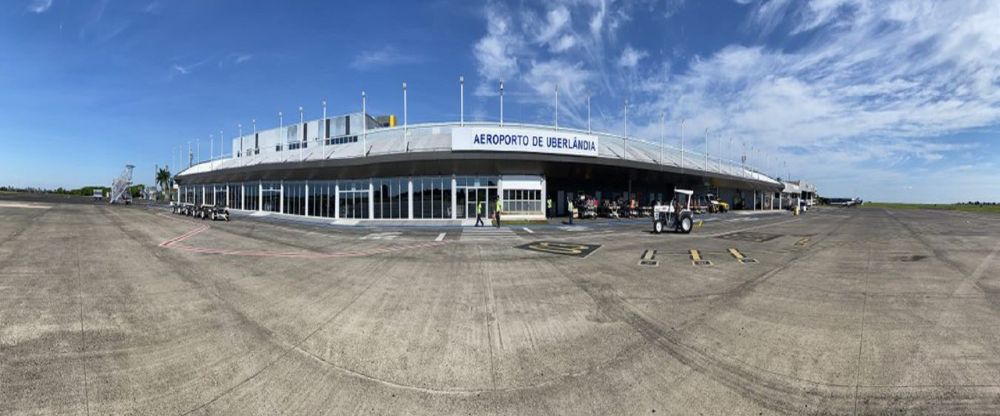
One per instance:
(371, 199)
(307, 199)
(545, 197)
(336, 201)
(243, 196)
(409, 198)
(281, 197)
(227, 196)
(203, 194)
(260, 196)
(454, 196)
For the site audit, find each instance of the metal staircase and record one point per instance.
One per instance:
(119, 188)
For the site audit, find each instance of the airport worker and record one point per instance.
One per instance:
(479, 214)
(571, 211)
(496, 212)
(548, 207)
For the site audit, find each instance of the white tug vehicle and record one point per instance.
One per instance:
(676, 215)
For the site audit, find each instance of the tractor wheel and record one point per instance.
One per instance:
(686, 225)
(657, 227)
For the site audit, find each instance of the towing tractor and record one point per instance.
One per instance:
(676, 215)
(212, 212)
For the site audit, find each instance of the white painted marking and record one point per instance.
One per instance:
(440, 237)
(528, 230)
(382, 236)
(23, 205)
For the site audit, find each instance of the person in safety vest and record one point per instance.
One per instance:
(571, 211)
(496, 212)
(479, 214)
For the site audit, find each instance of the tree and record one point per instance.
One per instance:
(163, 179)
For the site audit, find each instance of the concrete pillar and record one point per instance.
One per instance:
(203, 194)
(281, 197)
(409, 198)
(307, 199)
(336, 201)
(371, 200)
(754, 199)
(454, 197)
(545, 196)
(243, 196)
(260, 196)
(227, 196)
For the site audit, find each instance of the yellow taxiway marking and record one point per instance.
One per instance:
(736, 253)
(740, 257)
(697, 260)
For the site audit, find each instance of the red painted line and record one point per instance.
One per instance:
(174, 243)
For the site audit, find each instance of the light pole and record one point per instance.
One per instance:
(240, 128)
(706, 149)
(625, 139)
(364, 124)
(189, 154)
(501, 103)
(197, 150)
(222, 144)
(302, 125)
(682, 143)
(256, 145)
(326, 133)
(406, 139)
(662, 117)
(588, 114)
(211, 147)
(281, 128)
(461, 100)
(557, 106)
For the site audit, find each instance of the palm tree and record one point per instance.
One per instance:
(163, 178)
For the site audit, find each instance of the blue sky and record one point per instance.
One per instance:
(886, 100)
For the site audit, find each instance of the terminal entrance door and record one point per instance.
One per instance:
(480, 195)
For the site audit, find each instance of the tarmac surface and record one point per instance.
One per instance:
(133, 310)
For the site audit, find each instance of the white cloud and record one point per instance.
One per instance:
(39, 6)
(563, 44)
(869, 89)
(182, 69)
(495, 52)
(630, 57)
(386, 56)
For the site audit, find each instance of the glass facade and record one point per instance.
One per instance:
(391, 198)
(235, 198)
(295, 198)
(322, 199)
(252, 200)
(354, 199)
(394, 198)
(220, 194)
(270, 196)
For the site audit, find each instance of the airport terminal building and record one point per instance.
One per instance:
(355, 167)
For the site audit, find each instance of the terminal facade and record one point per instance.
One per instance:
(356, 167)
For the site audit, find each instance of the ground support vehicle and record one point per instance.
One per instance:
(212, 212)
(676, 215)
(186, 208)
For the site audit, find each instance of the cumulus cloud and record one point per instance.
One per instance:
(496, 52)
(39, 6)
(630, 57)
(385, 56)
(868, 84)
